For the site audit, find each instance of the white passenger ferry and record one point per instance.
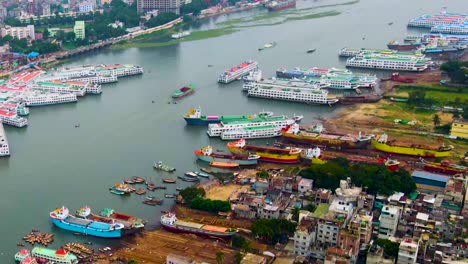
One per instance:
(282, 83)
(215, 130)
(388, 62)
(457, 29)
(119, 70)
(59, 87)
(442, 18)
(4, 148)
(237, 72)
(12, 119)
(97, 79)
(38, 99)
(295, 91)
(252, 132)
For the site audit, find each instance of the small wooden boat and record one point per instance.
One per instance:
(311, 50)
(191, 174)
(202, 174)
(137, 179)
(151, 187)
(390, 23)
(140, 191)
(267, 46)
(19, 244)
(179, 189)
(207, 170)
(169, 181)
(187, 179)
(224, 165)
(161, 187)
(129, 181)
(169, 195)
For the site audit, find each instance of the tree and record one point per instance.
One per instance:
(46, 34)
(295, 214)
(417, 97)
(436, 120)
(273, 231)
(60, 35)
(219, 257)
(262, 174)
(190, 193)
(238, 257)
(311, 207)
(70, 36)
(390, 248)
(456, 70)
(161, 19)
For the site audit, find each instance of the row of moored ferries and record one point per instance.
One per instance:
(443, 22)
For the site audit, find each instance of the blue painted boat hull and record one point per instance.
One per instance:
(199, 121)
(87, 231)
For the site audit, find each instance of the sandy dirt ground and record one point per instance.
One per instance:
(223, 192)
(154, 246)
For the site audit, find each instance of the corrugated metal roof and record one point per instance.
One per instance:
(430, 176)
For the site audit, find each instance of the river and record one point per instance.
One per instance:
(122, 132)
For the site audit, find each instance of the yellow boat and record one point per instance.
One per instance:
(412, 150)
(267, 154)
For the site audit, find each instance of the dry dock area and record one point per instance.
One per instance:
(154, 246)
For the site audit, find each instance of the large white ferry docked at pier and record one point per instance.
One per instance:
(12, 119)
(39, 99)
(4, 148)
(388, 62)
(59, 87)
(252, 132)
(216, 130)
(295, 91)
(237, 72)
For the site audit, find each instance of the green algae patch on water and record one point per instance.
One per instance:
(164, 39)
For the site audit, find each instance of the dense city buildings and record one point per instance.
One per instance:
(18, 32)
(161, 5)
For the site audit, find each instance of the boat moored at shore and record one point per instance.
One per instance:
(194, 117)
(4, 147)
(382, 144)
(388, 62)
(236, 72)
(276, 5)
(170, 222)
(206, 154)
(131, 224)
(61, 218)
(316, 137)
(217, 130)
(267, 154)
(40, 99)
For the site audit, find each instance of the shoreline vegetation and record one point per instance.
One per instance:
(163, 37)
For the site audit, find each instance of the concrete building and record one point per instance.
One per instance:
(348, 240)
(161, 5)
(305, 185)
(388, 221)
(177, 259)
(408, 251)
(79, 29)
(250, 258)
(459, 128)
(347, 193)
(86, 6)
(361, 222)
(304, 236)
(337, 256)
(18, 32)
(46, 9)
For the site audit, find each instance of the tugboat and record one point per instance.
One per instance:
(120, 189)
(161, 166)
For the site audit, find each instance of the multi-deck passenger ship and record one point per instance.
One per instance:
(45, 255)
(331, 78)
(442, 18)
(12, 119)
(237, 72)
(388, 62)
(267, 131)
(218, 129)
(295, 91)
(4, 148)
(39, 99)
(459, 29)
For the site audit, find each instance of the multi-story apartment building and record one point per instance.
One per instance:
(388, 221)
(18, 32)
(161, 5)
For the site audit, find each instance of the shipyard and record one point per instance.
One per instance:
(276, 131)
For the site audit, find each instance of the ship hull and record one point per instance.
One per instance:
(334, 143)
(86, 231)
(271, 9)
(233, 159)
(200, 122)
(442, 170)
(402, 47)
(269, 157)
(409, 151)
(196, 232)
